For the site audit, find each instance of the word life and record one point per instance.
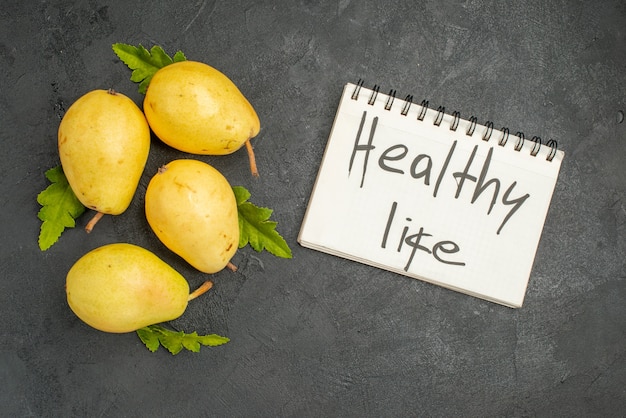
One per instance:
(443, 251)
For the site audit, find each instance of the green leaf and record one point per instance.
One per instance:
(154, 336)
(150, 339)
(60, 208)
(256, 229)
(179, 56)
(173, 342)
(144, 63)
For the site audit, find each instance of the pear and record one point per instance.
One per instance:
(192, 209)
(103, 141)
(123, 287)
(195, 108)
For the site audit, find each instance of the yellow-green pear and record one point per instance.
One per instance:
(103, 141)
(195, 108)
(192, 209)
(123, 287)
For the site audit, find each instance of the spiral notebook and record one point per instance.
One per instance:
(430, 195)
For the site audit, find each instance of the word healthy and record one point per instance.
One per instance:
(422, 167)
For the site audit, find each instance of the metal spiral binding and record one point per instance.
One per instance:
(423, 109)
(536, 146)
(355, 93)
(553, 147)
(520, 141)
(470, 130)
(456, 118)
(407, 105)
(374, 94)
(505, 136)
(488, 131)
(440, 112)
(455, 121)
(390, 98)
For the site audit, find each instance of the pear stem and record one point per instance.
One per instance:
(93, 222)
(231, 267)
(251, 157)
(204, 287)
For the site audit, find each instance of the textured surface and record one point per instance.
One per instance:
(317, 335)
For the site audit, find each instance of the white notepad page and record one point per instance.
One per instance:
(415, 197)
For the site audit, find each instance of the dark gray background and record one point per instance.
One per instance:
(317, 335)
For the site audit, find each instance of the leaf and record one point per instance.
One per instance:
(150, 339)
(154, 336)
(60, 208)
(144, 63)
(256, 229)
